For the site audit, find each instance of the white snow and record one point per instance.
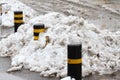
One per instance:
(101, 53)
(8, 8)
(68, 78)
(100, 47)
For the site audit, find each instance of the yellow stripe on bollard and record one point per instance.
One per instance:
(18, 21)
(36, 37)
(75, 61)
(39, 30)
(18, 15)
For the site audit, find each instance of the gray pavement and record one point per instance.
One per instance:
(94, 13)
(114, 76)
(18, 75)
(5, 76)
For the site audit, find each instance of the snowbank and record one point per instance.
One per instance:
(8, 8)
(101, 53)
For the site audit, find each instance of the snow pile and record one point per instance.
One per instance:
(8, 8)
(101, 53)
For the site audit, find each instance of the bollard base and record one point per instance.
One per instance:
(75, 71)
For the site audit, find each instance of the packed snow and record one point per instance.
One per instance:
(100, 48)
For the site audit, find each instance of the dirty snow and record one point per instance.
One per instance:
(100, 47)
(101, 53)
(8, 8)
(111, 9)
(106, 4)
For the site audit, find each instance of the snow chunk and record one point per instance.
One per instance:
(68, 78)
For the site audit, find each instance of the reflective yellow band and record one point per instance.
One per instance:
(36, 37)
(18, 21)
(39, 30)
(75, 61)
(18, 16)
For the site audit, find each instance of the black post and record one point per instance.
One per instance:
(18, 19)
(75, 61)
(38, 29)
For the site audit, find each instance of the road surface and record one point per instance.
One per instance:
(88, 9)
(18, 75)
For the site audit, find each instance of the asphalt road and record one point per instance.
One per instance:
(88, 9)
(18, 75)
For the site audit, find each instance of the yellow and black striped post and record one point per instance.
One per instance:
(38, 29)
(18, 19)
(75, 61)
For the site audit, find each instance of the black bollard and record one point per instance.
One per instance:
(75, 61)
(18, 19)
(38, 29)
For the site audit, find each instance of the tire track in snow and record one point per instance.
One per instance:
(93, 13)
